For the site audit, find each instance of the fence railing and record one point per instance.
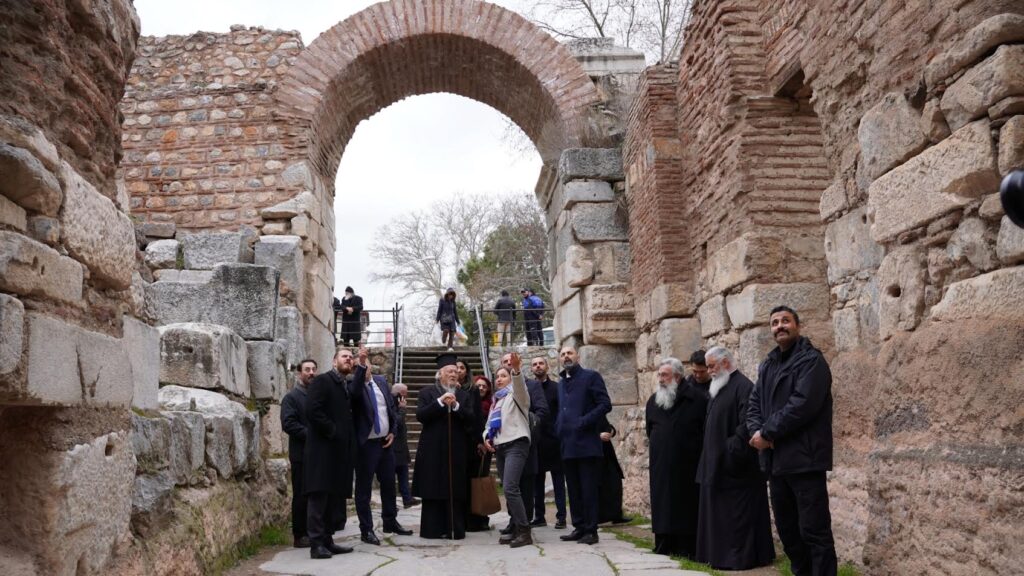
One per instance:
(515, 328)
(376, 328)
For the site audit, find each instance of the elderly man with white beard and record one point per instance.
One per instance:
(675, 426)
(734, 528)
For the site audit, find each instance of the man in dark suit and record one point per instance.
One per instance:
(351, 318)
(548, 447)
(583, 402)
(376, 418)
(295, 425)
(328, 455)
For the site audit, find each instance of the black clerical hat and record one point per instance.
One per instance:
(446, 359)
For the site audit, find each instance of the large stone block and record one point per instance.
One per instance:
(578, 191)
(151, 441)
(846, 329)
(104, 369)
(1011, 145)
(713, 316)
(971, 243)
(29, 268)
(755, 344)
(187, 445)
(18, 132)
(996, 295)
(232, 433)
(204, 356)
(599, 222)
(96, 233)
(995, 78)
(27, 182)
(733, 264)
(612, 262)
(205, 251)
(569, 318)
(754, 304)
(290, 334)
(151, 501)
(1010, 244)
(608, 315)
(163, 254)
(12, 329)
(142, 342)
(12, 215)
(591, 163)
(999, 29)
(679, 337)
(304, 204)
(285, 254)
(901, 281)
(671, 299)
(268, 375)
(578, 267)
(945, 177)
(274, 440)
(889, 134)
(849, 247)
(320, 343)
(617, 365)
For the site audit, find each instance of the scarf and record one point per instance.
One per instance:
(494, 420)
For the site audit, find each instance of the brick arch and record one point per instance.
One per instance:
(393, 50)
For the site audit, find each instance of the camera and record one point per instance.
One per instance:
(1011, 192)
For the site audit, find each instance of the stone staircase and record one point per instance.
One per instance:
(418, 373)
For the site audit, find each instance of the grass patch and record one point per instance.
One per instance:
(648, 544)
(782, 565)
(273, 535)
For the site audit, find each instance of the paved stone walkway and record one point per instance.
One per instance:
(479, 554)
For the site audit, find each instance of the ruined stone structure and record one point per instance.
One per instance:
(839, 157)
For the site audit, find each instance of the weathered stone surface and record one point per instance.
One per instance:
(971, 243)
(933, 122)
(290, 334)
(44, 229)
(849, 247)
(578, 191)
(732, 264)
(104, 369)
(29, 268)
(274, 440)
(204, 356)
(27, 182)
(184, 276)
(754, 304)
(151, 441)
(578, 267)
(187, 448)
(569, 318)
(942, 178)
(611, 262)
(285, 254)
(142, 342)
(1006, 107)
(151, 501)
(18, 132)
(617, 365)
(991, 208)
(163, 254)
(303, 204)
(994, 295)
(679, 337)
(1009, 245)
(159, 229)
(608, 314)
(275, 229)
(713, 316)
(995, 78)
(590, 163)
(999, 29)
(846, 329)
(205, 251)
(833, 200)
(300, 226)
(671, 299)
(889, 134)
(12, 327)
(267, 371)
(599, 222)
(901, 282)
(232, 440)
(755, 343)
(95, 232)
(12, 215)
(1011, 145)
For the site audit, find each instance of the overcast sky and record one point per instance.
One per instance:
(405, 157)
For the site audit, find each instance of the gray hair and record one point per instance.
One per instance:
(675, 365)
(720, 353)
(399, 388)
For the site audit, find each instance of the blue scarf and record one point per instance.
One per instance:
(494, 421)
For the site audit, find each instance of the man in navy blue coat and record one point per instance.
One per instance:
(582, 404)
(376, 423)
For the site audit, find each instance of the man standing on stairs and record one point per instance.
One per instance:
(376, 419)
(351, 318)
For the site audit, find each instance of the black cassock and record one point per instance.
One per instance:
(609, 495)
(676, 437)
(440, 515)
(734, 529)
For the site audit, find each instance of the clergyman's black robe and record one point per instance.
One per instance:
(442, 516)
(676, 437)
(734, 527)
(609, 495)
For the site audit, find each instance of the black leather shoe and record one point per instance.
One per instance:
(335, 549)
(370, 538)
(508, 529)
(510, 537)
(560, 525)
(301, 542)
(538, 522)
(411, 503)
(319, 553)
(588, 539)
(397, 528)
(523, 538)
(571, 536)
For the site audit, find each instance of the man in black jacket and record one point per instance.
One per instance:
(789, 418)
(351, 318)
(505, 309)
(548, 446)
(295, 425)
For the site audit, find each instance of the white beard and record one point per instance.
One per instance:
(718, 383)
(665, 396)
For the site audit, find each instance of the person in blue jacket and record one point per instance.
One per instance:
(533, 311)
(582, 404)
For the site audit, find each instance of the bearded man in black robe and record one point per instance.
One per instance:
(734, 527)
(440, 477)
(675, 425)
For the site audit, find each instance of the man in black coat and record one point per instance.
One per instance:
(734, 529)
(548, 447)
(329, 453)
(790, 421)
(505, 309)
(583, 403)
(675, 427)
(376, 419)
(351, 322)
(295, 425)
(401, 447)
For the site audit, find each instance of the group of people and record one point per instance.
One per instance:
(533, 313)
(715, 438)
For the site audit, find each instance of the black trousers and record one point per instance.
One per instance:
(534, 333)
(375, 460)
(802, 517)
(298, 501)
(558, 480)
(583, 476)
(320, 516)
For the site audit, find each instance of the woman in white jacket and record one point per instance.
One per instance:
(508, 433)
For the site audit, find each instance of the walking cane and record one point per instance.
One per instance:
(451, 493)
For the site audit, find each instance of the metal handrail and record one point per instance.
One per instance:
(517, 329)
(399, 346)
(483, 342)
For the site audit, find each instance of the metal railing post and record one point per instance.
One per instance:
(483, 341)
